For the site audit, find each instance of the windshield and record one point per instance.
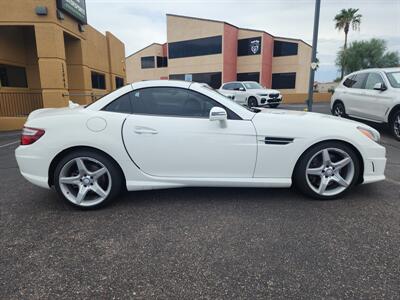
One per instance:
(394, 79)
(252, 85)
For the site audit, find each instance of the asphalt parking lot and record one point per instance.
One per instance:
(201, 243)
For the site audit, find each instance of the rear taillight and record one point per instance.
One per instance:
(30, 135)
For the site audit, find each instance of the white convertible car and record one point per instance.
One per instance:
(169, 134)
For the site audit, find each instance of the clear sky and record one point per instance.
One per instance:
(140, 23)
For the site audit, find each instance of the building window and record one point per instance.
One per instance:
(250, 46)
(12, 76)
(98, 81)
(284, 80)
(197, 47)
(119, 82)
(147, 62)
(285, 48)
(162, 62)
(212, 79)
(254, 76)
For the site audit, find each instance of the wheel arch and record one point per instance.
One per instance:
(356, 151)
(337, 101)
(64, 152)
(392, 111)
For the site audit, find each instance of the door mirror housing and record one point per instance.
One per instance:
(380, 86)
(218, 114)
(241, 89)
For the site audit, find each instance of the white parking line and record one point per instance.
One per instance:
(9, 144)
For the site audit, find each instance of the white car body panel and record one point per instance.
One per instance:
(368, 104)
(191, 152)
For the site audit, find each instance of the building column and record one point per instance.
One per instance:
(52, 65)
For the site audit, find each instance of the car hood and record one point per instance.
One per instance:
(303, 124)
(264, 91)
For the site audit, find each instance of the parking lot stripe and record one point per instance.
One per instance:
(9, 144)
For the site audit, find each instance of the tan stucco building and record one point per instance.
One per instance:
(215, 52)
(49, 55)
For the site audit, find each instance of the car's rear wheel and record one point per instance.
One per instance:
(339, 110)
(252, 102)
(327, 170)
(395, 125)
(87, 179)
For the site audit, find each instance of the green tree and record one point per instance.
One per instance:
(367, 54)
(343, 20)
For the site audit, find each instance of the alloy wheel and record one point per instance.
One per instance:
(339, 110)
(85, 181)
(330, 171)
(396, 126)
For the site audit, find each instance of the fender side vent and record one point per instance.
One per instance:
(278, 140)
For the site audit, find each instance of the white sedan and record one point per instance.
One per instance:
(169, 134)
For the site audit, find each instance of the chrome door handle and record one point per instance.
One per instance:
(145, 130)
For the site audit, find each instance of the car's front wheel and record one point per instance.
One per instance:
(395, 125)
(327, 170)
(252, 102)
(87, 179)
(339, 110)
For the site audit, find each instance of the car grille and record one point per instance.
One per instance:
(276, 95)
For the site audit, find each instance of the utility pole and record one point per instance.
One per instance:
(313, 55)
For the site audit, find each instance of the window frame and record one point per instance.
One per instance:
(143, 58)
(375, 73)
(362, 87)
(175, 48)
(275, 46)
(284, 88)
(231, 115)
(103, 75)
(24, 81)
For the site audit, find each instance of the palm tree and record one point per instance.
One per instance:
(343, 20)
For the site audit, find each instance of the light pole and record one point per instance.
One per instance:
(313, 55)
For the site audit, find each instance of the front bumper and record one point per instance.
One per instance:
(267, 100)
(374, 165)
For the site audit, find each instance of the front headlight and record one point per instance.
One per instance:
(262, 95)
(372, 134)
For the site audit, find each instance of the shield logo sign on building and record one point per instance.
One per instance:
(255, 46)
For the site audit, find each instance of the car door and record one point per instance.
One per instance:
(241, 93)
(354, 96)
(170, 134)
(376, 102)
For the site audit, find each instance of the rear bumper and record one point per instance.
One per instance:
(33, 166)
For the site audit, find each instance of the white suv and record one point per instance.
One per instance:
(373, 95)
(251, 93)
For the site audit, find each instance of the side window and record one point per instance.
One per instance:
(228, 86)
(120, 105)
(349, 81)
(169, 101)
(359, 80)
(373, 78)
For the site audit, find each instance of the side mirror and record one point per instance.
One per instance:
(218, 114)
(241, 89)
(380, 86)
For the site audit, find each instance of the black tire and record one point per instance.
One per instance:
(395, 124)
(339, 110)
(300, 173)
(274, 105)
(114, 173)
(252, 102)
